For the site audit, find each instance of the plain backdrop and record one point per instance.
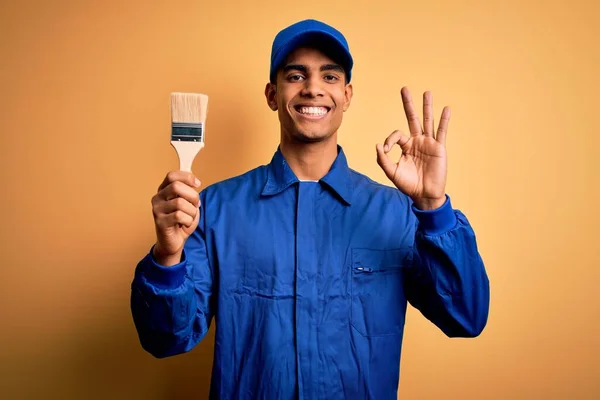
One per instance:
(85, 129)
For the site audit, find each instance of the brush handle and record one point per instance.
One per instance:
(187, 151)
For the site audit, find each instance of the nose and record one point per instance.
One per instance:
(312, 87)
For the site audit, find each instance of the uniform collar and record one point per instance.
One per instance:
(280, 176)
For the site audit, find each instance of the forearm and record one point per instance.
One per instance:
(163, 306)
(460, 286)
(450, 283)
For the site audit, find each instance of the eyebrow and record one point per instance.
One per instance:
(332, 67)
(303, 68)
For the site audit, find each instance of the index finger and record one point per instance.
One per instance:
(414, 125)
(186, 177)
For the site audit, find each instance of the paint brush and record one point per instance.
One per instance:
(188, 124)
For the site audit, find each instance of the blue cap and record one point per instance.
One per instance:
(316, 34)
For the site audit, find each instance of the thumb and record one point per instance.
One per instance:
(388, 166)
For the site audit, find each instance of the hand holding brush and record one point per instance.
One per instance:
(176, 205)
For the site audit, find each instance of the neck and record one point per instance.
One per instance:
(310, 161)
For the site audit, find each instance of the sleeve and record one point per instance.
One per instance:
(447, 281)
(172, 307)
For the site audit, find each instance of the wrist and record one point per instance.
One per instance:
(428, 204)
(165, 259)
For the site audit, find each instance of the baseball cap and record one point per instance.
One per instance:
(316, 34)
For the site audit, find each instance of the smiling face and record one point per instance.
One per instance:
(310, 96)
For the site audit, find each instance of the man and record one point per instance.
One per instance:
(307, 265)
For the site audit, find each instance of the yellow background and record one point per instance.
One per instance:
(84, 130)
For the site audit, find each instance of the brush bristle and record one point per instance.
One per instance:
(188, 108)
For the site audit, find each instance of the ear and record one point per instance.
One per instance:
(348, 91)
(271, 96)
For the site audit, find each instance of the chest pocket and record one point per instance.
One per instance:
(377, 291)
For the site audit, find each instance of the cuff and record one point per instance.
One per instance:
(165, 277)
(438, 221)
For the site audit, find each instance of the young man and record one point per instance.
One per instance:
(306, 265)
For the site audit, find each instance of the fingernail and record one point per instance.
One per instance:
(197, 182)
(386, 147)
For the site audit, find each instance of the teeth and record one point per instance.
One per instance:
(313, 110)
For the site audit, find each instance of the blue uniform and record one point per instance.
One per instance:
(308, 283)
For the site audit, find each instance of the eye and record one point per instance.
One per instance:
(295, 78)
(330, 78)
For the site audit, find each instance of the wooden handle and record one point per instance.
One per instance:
(187, 151)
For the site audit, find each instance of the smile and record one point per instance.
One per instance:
(312, 112)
